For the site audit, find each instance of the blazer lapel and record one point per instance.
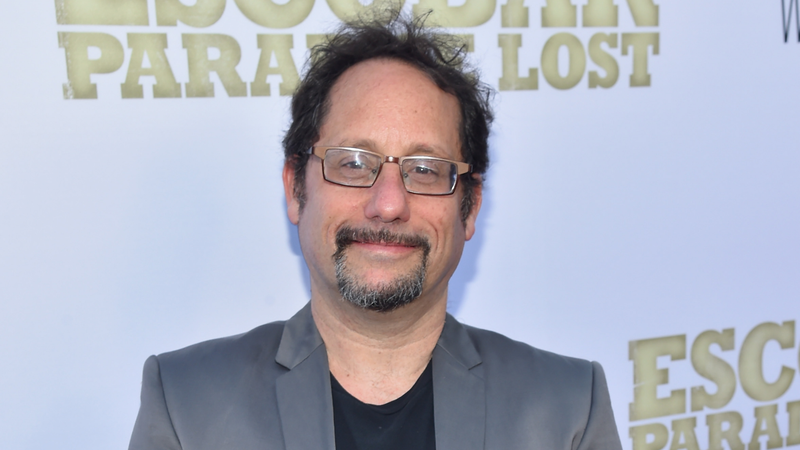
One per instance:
(304, 392)
(459, 393)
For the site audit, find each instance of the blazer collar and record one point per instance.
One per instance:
(304, 392)
(459, 393)
(300, 338)
(457, 343)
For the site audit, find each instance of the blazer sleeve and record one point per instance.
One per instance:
(601, 429)
(153, 429)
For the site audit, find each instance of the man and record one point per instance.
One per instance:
(384, 163)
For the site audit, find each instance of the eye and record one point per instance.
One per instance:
(423, 170)
(353, 164)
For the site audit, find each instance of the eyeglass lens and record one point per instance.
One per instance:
(360, 169)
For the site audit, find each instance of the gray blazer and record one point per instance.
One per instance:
(270, 389)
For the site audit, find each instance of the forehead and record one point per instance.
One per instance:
(391, 104)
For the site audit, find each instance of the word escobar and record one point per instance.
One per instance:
(722, 426)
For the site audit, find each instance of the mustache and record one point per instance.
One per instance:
(347, 235)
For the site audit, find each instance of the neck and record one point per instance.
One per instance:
(375, 356)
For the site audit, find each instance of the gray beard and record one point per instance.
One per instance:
(385, 297)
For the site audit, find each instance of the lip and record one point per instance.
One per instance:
(379, 245)
(383, 247)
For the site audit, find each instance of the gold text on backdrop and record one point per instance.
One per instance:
(93, 53)
(722, 426)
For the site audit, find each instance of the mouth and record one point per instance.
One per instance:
(381, 243)
(347, 236)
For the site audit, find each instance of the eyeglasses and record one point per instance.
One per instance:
(355, 167)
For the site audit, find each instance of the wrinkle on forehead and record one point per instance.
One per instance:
(377, 89)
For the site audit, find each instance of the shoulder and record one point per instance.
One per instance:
(497, 349)
(257, 339)
(532, 376)
(216, 358)
(197, 397)
(533, 395)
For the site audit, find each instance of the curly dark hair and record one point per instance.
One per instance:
(390, 35)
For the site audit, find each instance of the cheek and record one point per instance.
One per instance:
(329, 209)
(447, 225)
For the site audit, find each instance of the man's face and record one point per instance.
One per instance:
(383, 240)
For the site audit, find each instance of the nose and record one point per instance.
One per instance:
(388, 200)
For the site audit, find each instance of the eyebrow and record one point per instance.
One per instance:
(369, 144)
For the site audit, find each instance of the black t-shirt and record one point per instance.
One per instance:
(402, 424)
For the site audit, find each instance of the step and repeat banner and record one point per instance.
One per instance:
(642, 206)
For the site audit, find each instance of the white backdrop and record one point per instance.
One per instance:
(130, 227)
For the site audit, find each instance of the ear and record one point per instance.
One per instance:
(292, 205)
(469, 224)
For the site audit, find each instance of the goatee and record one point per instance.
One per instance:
(387, 296)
